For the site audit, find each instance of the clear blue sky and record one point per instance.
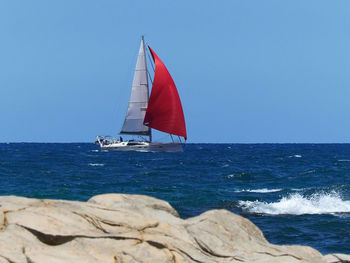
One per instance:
(246, 71)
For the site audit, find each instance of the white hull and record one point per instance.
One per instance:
(110, 144)
(143, 147)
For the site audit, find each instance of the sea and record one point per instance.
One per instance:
(295, 193)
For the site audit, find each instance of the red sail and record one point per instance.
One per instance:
(164, 111)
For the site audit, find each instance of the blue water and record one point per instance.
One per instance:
(295, 193)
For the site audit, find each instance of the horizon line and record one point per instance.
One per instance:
(36, 142)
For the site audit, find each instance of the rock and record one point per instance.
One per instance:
(120, 228)
(139, 202)
(337, 258)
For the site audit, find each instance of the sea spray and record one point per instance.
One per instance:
(297, 204)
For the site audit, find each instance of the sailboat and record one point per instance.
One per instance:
(161, 110)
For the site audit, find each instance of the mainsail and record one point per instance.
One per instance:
(133, 123)
(164, 111)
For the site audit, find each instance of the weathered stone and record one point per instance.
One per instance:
(119, 228)
(337, 258)
(146, 205)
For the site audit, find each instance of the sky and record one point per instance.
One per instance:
(247, 71)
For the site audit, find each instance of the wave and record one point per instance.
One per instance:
(263, 190)
(96, 164)
(295, 156)
(237, 175)
(296, 204)
(95, 151)
(344, 160)
(300, 189)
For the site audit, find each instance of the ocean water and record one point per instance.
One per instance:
(295, 193)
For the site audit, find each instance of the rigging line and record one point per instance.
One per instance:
(150, 59)
(149, 75)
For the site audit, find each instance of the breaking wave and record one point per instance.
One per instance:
(296, 204)
(262, 191)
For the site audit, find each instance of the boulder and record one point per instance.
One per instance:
(119, 228)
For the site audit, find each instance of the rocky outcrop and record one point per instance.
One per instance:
(119, 228)
(337, 258)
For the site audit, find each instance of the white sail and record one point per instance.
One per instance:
(133, 123)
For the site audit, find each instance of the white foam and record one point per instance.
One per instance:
(295, 156)
(309, 172)
(296, 204)
(299, 189)
(95, 151)
(263, 190)
(96, 164)
(344, 160)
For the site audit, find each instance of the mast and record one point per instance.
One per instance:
(144, 48)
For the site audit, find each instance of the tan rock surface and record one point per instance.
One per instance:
(337, 258)
(132, 228)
